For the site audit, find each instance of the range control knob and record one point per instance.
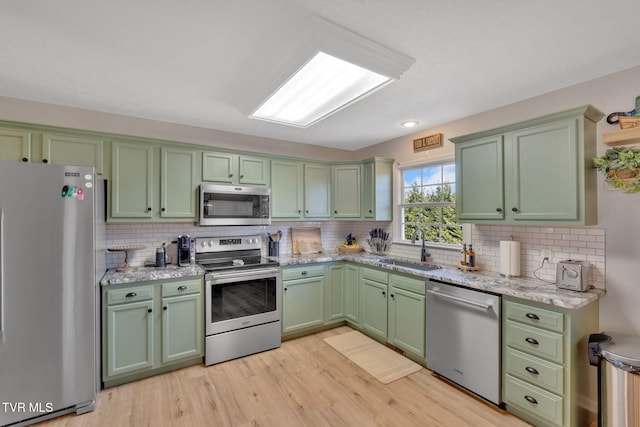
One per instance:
(203, 244)
(211, 243)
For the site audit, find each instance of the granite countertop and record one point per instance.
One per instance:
(523, 287)
(144, 274)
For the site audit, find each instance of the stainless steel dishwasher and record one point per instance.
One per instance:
(463, 338)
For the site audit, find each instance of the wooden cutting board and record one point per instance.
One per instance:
(306, 240)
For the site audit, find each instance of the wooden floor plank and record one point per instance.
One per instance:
(303, 383)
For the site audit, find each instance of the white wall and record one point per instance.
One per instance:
(618, 213)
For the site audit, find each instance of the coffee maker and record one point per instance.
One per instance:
(184, 250)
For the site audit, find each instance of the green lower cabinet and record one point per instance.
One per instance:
(335, 292)
(351, 294)
(129, 337)
(150, 328)
(547, 379)
(303, 298)
(181, 327)
(407, 315)
(374, 307)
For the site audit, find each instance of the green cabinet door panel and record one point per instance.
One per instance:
(254, 171)
(286, 189)
(219, 167)
(335, 292)
(317, 191)
(374, 307)
(544, 172)
(182, 323)
(368, 190)
(407, 320)
(132, 180)
(377, 189)
(73, 150)
(129, 337)
(479, 179)
(178, 186)
(303, 303)
(346, 191)
(15, 145)
(351, 294)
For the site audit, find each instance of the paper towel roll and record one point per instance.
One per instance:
(510, 258)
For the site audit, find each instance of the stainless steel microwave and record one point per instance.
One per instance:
(234, 205)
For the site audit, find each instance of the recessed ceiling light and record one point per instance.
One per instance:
(409, 124)
(323, 86)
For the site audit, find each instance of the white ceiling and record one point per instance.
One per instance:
(193, 62)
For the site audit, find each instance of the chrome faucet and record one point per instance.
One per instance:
(423, 253)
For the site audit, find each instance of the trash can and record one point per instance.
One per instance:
(618, 359)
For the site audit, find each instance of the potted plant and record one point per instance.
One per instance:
(621, 165)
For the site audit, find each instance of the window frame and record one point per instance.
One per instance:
(401, 169)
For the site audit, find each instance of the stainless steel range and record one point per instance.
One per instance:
(242, 297)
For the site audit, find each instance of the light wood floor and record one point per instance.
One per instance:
(303, 383)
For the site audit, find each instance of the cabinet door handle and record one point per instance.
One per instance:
(131, 295)
(45, 161)
(230, 175)
(531, 370)
(498, 209)
(531, 399)
(392, 296)
(335, 212)
(532, 341)
(370, 211)
(149, 310)
(299, 211)
(514, 209)
(148, 209)
(384, 294)
(25, 159)
(307, 211)
(532, 316)
(164, 308)
(163, 209)
(285, 289)
(182, 288)
(241, 176)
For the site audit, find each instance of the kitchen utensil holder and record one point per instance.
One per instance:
(274, 249)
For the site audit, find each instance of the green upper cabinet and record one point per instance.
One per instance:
(132, 180)
(63, 149)
(346, 186)
(377, 189)
(152, 182)
(15, 145)
(534, 172)
(317, 190)
(233, 169)
(479, 178)
(178, 175)
(286, 189)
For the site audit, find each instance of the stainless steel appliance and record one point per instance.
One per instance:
(617, 357)
(574, 275)
(242, 297)
(463, 336)
(234, 205)
(52, 256)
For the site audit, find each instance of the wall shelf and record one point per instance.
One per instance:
(622, 137)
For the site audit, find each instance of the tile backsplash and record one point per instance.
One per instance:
(578, 243)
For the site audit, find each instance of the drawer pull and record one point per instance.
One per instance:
(532, 316)
(531, 370)
(531, 399)
(182, 288)
(131, 295)
(532, 341)
(304, 273)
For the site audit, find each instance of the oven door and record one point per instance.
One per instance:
(234, 205)
(241, 299)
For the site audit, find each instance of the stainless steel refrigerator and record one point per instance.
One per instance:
(51, 258)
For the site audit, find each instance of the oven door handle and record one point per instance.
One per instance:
(262, 272)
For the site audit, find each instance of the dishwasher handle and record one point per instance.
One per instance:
(462, 300)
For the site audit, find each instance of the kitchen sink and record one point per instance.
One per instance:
(413, 264)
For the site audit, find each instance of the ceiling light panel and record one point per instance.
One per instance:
(324, 85)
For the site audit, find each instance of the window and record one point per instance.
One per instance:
(429, 204)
